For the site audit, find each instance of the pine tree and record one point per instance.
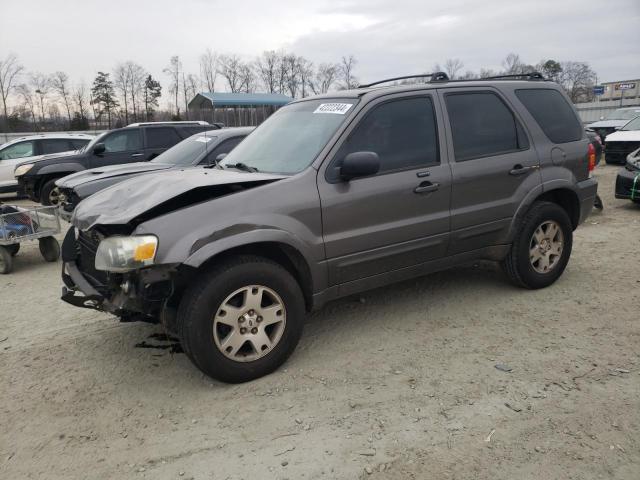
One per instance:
(152, 91)
(104, 95)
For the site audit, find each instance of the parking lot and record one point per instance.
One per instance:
(457, 375)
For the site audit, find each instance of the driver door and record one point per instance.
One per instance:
(121, 146)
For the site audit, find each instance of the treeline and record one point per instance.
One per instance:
(33, 101)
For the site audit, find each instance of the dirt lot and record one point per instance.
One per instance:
(399, 383)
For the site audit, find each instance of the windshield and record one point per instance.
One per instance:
(292, 137)
(623, 114)
(632, 125)
(188, 151)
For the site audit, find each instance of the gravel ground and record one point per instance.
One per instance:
(399, 383)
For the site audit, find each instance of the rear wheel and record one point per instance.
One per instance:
(542, 247)
(241, 320)
(49, 248)
(6, 261)
(50, 194)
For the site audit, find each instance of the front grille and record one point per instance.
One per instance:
(618, 151)
(86, 259)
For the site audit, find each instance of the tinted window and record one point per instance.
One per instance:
(17, 150)
(553, 113)
(122, 141)
(225, 147)
(162, 137)
(55, 145)
(482, 125)
(187, 151)
(402, 132)
(77, 143)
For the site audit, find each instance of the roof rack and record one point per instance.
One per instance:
(179, 122)
(434, 77)
(517, 76)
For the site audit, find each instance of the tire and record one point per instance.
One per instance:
(528, 270)
(6, 261)
(203, 310)
(49, 248)
(48, 193)
(13, 249)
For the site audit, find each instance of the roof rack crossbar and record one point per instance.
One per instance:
(526, 76)
(434, 77)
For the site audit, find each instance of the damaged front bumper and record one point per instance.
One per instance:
(141, 294)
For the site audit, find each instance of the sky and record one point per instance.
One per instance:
(388, 38)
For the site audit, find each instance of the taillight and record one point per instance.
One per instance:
(591, 153)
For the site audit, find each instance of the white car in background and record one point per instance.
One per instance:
(33, 147)
(619, 144)
(615, 120)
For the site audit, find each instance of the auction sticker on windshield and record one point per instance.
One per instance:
(338, 108)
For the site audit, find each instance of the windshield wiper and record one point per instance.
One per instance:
(242, 166)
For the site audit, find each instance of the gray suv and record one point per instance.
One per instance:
(334, 195)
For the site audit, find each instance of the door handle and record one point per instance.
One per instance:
(426, 187)
(521, 170)
(137, 154)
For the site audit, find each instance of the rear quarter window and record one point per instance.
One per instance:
(553, 114)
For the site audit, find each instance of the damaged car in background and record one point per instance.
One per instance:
(330, 196)
(628, 179)
(203, 149)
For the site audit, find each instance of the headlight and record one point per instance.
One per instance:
(121, 254)
(22, 169)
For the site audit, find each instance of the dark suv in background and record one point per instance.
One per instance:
(137, 142)
(330, 196)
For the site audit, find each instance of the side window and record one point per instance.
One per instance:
(123, 141)
(55, 145)
(77, 143)
(18, 150)
(482, 125)
(164, 137)
(402, 132)
(224, 147)
(552, 112)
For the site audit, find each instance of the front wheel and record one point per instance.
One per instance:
(50, 194)
(542, 247)
(242, 319)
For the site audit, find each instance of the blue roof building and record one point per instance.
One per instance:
(235, 109)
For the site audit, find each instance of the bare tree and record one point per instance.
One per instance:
(189, 89)
(267, 67)
(9, 71)
(512, 64)
(452, 66)
(209, 69)
(347, 66)
(42, 85)
(305, 71)
(80, 100)
(174, 70)
(247, 78)
(468, 75)
(578, 79)
(121, 82)
(136, 76)
(230, 69)
(324, 77)
(60, 84)
(292, 73)
(28, 102)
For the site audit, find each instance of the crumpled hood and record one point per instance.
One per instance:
(174, 188)
(624, 136)
(80, 178)
(608, 123)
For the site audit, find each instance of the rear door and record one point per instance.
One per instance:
(399, 217)
(159, 139)
(121, 146)
(10, 157)
(493, 166)
(54, 145)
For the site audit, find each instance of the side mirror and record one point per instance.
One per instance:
(99, 148)
(359, 164)
(220, 157)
